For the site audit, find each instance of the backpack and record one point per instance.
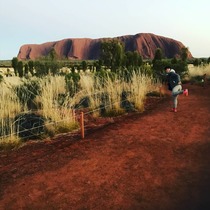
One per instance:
(169, 86)
(173, 80)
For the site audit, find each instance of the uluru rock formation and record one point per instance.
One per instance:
(89, 49)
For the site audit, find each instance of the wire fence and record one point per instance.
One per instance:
(78, 115)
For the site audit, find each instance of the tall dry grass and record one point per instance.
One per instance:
(199, 70)
(141, 85)
(113, 87)
(90, 89)
(9, 109)
(56, 103)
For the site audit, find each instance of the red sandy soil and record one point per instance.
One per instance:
(157, 160)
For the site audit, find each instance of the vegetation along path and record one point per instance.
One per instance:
(156, 160)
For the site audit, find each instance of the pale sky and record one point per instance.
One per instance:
(39, 21)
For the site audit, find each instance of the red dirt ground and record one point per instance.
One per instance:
(157, 160)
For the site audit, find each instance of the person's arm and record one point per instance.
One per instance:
(161, 75)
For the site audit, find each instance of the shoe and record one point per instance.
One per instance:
(185, 92)
(174, 110)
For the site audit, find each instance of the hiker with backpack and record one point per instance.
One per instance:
(175, 86)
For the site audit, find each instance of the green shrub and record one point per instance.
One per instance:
(72, 83)
(27, 92)
(29, 125)
(198, 80)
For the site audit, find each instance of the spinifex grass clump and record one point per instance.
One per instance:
(9, 108)
(56, 105)
(138, 87)
(10, 142)
(32, 107)
(27, 92)
(106, 91)
(91, 89)
(113, 87)
(197, 74)
(52, 100)
(199, 70)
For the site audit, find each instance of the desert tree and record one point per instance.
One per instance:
(129, 59)
(112, 54)
(137, 59)
(97, 65)
(140, 60)
(174, 60)
(15, 64)
(52, 54)
(20, 68)
(208, 60)
(54, 67)
(158, 55)
(84, 65)
(197, 62)
(26, 68)
(158, 62)
(31, 67)
(40, 68)
(184, 54)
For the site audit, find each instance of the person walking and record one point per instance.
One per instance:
(175, 86)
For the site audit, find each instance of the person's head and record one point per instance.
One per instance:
(167, 69)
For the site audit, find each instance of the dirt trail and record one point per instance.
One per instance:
(158, 160)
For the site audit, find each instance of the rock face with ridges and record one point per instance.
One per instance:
(89, 49)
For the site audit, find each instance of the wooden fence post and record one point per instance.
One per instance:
(82, 125)
(73, 115)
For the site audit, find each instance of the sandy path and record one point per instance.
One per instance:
(154, 161)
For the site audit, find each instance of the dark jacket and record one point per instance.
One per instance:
(173, 80)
